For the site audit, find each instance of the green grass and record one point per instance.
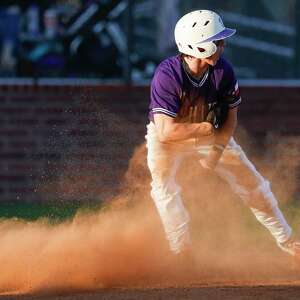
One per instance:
(55, 212)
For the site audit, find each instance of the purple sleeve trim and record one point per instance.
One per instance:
(235, 104)
(160, 110)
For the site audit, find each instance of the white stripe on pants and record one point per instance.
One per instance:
(234, 167)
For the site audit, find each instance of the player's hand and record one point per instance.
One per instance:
(205, 129)
(213, 157)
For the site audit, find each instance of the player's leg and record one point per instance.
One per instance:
(235, 168)
(163, 164)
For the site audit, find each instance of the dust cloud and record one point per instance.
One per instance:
(124, 245)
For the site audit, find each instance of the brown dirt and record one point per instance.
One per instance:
(121, 253)
(230, 292)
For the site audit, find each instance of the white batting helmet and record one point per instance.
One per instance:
(196, 32)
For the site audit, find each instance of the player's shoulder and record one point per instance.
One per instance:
(223, 72)
(224, 66)
(170, 68)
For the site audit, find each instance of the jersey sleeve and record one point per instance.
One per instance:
(230, 92)
(165, 94)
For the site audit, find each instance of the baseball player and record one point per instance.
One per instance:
(193, 110)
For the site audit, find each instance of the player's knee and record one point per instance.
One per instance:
(165, 190)
(262, 197)
(160, 174)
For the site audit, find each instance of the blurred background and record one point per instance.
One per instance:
(126, 39)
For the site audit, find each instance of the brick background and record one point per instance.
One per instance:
(74, 142)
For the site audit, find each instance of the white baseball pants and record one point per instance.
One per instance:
(234, 167)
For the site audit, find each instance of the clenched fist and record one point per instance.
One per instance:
(205, 129)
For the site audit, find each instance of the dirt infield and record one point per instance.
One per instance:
(266, 292)
(120, 252)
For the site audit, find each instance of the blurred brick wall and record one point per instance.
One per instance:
(270, 109)
(73, 142)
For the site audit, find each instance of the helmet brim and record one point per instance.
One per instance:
(226, 33)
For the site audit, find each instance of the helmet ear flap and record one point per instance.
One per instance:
(201, 50)
(205, 50)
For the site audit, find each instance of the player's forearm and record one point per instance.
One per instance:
(222, 138)
(223, 135)
(183, 131)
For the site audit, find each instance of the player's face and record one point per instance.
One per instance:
(212, 60)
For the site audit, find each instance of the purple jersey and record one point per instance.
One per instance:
(177, 94)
